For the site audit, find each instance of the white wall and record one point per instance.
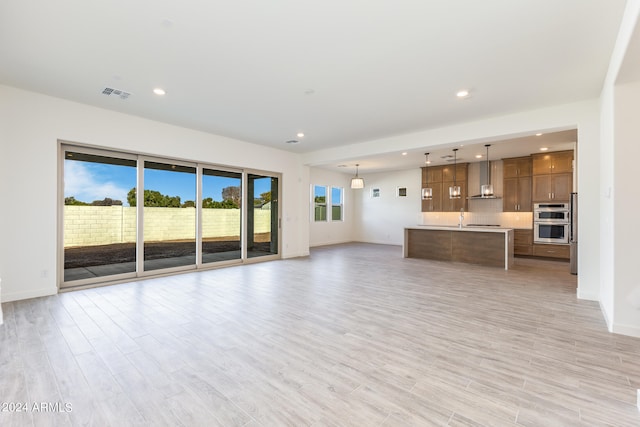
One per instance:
(620, 287)
(625, 230)
(31, 126)
(332, 232)
(606, 194)
(382, 219)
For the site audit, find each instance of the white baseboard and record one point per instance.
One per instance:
(296, 255)
(606, 317)
(35, 293)
(632, 331)
(329, 243)
(589, 296)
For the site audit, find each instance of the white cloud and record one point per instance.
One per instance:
(81, 183)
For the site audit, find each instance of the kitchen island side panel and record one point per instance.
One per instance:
(429, 244)
(479, 248)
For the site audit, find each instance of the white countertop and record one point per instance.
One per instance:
(456, 228)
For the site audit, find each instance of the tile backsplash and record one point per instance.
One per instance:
(504, 219)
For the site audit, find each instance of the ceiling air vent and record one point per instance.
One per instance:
(109, 91)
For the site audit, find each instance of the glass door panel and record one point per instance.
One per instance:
(98, 222)
(221, 215)
(169, 215)
(262, 218)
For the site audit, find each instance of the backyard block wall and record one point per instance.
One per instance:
(103, 225)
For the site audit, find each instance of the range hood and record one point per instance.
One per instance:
(481, 197)
(478, 176)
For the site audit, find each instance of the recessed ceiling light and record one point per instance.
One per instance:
(538, 134)
(342, 166)
(159, 91)
(404, 153)
(292, 141)
(478, 156)
(544, 148)
(300, 135)
(462, 93)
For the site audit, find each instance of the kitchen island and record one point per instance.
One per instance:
(490, 246)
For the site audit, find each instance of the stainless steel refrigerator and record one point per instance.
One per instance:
(573, 235)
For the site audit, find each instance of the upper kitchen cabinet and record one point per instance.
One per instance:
(558, 162)
(433, 174)
(517, 167)
(460, 173)
(440, 178)
(435, 204)
(556, 187)
(517, 184)
(552, 176)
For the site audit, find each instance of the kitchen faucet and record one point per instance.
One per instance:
(461, 217)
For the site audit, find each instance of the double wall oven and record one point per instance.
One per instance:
(551, 223)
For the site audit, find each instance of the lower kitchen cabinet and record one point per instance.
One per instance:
(523, 242)
(551, 251)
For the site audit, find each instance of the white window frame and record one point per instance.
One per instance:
(340, 203)
(315, 205)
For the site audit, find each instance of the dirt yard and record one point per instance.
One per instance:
(85, 256)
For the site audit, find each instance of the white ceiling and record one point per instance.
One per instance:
(501, 149)
(341, 71)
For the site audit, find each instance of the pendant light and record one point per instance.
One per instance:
(454, 191)
(487, 189)
(357, 182)
(427, 192)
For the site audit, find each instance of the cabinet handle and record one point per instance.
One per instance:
(549, 195)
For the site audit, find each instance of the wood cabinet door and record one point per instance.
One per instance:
(454, 205)
(541, 164)
(541, 188)
(461, 173)
(525, 166)
(561, 186)
(516, 167)
(434, 174)
(562, 162)
(516, 195)
(435, 204)
(510, 195)
(524, 194)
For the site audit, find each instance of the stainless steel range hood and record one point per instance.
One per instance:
(477, 177)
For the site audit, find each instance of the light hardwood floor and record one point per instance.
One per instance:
(353, 335)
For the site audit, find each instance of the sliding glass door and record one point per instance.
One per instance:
(221, 215)
(263, 218)
(99, 237)
(169, 215)
(126, 215)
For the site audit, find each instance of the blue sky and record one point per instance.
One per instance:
(88, 181)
